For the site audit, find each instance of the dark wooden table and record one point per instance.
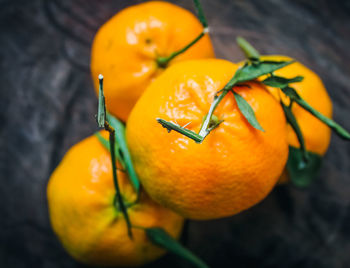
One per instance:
(47, 104)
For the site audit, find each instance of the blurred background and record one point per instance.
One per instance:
(47, 104)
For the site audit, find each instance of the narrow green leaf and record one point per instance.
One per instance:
(302, 173)
(343, 133)
(252, 71)
(200, 13)
(249, 51)
(105, 143)
(281, 82)
(123, 150)
(294, 124)
(246, 73)
(101, 112)
(291, 93)
(161, 238)
(247, 111)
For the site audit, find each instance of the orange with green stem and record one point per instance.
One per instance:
(235, 166)
(308, 110)
(138, 43)
(93, 219)
(87, 215)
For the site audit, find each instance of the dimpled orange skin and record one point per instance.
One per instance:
(316, 134)
(80, 197)
(234, 168)
(125, 50)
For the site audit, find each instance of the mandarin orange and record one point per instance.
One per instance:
(126, 49)
(234, 168)
(84, 215)
(316, 134)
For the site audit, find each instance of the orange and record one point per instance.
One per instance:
(126, 48)
(316, 134)
(234, 168)
(83, 215)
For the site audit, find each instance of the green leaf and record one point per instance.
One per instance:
(294, 124)
(252, 71)
(161, 238)
(246, 73)
(293, 95)
(105, 144)
(101, 112)
(281, 82)
(123, 150)
(343, 133)
(247, 111)
(302, 172)
(248, 49)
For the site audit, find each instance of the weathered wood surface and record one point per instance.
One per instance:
(47, 104)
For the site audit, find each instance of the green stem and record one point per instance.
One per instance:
(124, 152)
(248, 49)
(101, 112)
(188, 133)
(115, 178)
(250, 71)
(205, 130)
(102, 121)
(164, 61)
(200, 13)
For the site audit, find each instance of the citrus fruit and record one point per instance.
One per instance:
(84, 215)
(236, 165)
(126, 48)
(316, 134)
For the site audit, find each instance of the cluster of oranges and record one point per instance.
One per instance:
(232, 169)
